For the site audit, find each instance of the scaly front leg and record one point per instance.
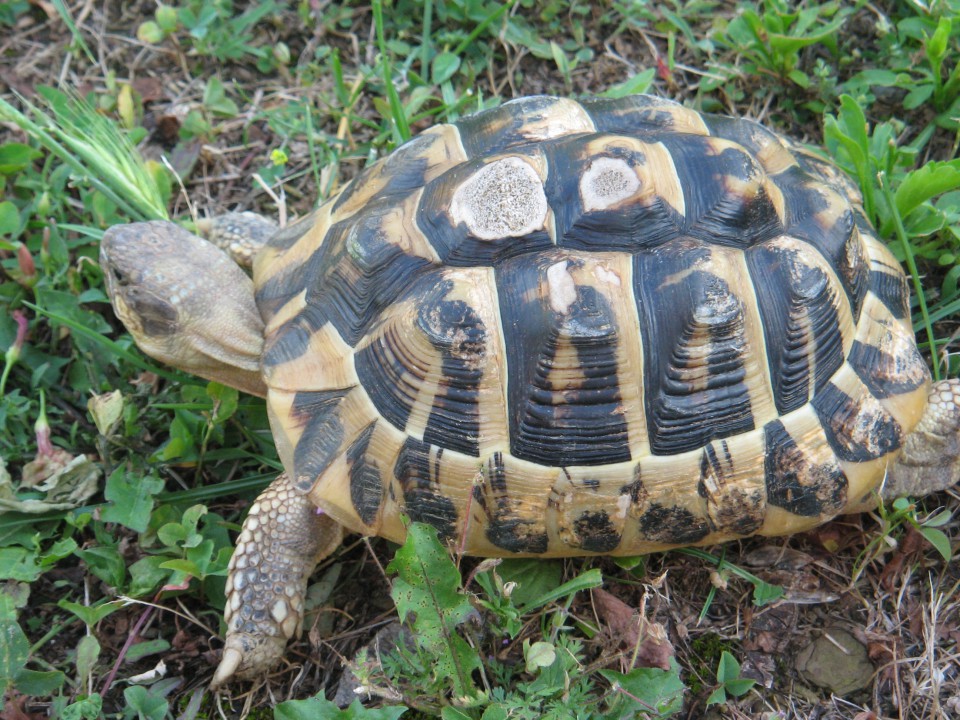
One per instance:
(282, 540)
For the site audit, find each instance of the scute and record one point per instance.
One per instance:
(609, 326)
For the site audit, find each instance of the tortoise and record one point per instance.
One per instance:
(552, 328)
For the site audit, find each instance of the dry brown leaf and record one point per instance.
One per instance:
(632, 630)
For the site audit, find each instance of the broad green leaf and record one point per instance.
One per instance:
(14, 646)
(444, 66)
(428, 588)
(740, 686)
(584, 581)
(131, 498)
(14, 157)
(937, 44)
(39, 683)
(729, 668)
(88, 650)
(90, 615)
(18, 563)
(717, 697)
(538, 655)
(106, 563)
(927, 182)
(319, 708)
(9, 218)
(225, 400)
(764, 593)
(84, 708)
(144, 704)
(648, 688)
(939, 541)
(148, 647)
(534, 577)
(917, 96)
(639, 83)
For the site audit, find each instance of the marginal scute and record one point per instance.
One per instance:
(799, 478)
(515, 522)
(857, 426)
(322, 436)
(366, 482)
(415, 470)
(734, 503)
(672, 525)
(885, 355)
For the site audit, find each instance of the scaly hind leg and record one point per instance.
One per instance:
(282, 540)
(930, 458)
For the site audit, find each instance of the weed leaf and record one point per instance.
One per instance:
(14, 646)
(647, 692)
(131, 498)
(428, 588)
(927, 182)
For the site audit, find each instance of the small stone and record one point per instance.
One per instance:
(836, 661)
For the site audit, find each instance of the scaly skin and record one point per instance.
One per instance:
(930, 458)
(282, 540)
(239, 234)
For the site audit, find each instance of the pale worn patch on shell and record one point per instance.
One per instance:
(503, 199)
(607, 182)
(563, 291)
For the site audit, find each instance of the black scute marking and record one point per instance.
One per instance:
(275, 292)
(579, 424)
(423, 502)
(389, 376)
(596, 532)
(712, 213)
(505, 527)
(322, 437)
(690, 400)
(631, 227)
(292, 338)
(455, 244)
(285, 238)
(634, 115)
(737, 507)
(859, 429)
(750, 134)
(793, 293)
(803, 199)
(366, 485)
(401, 172)
(887, 375)
(673, 525)
(458, 332)
(891, 287)
(797, 484)
(362, 272)
(496, 130)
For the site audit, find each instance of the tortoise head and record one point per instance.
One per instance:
(185, 302)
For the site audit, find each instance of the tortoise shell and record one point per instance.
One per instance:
(606, 326)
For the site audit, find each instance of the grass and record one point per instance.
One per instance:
(135, 477)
